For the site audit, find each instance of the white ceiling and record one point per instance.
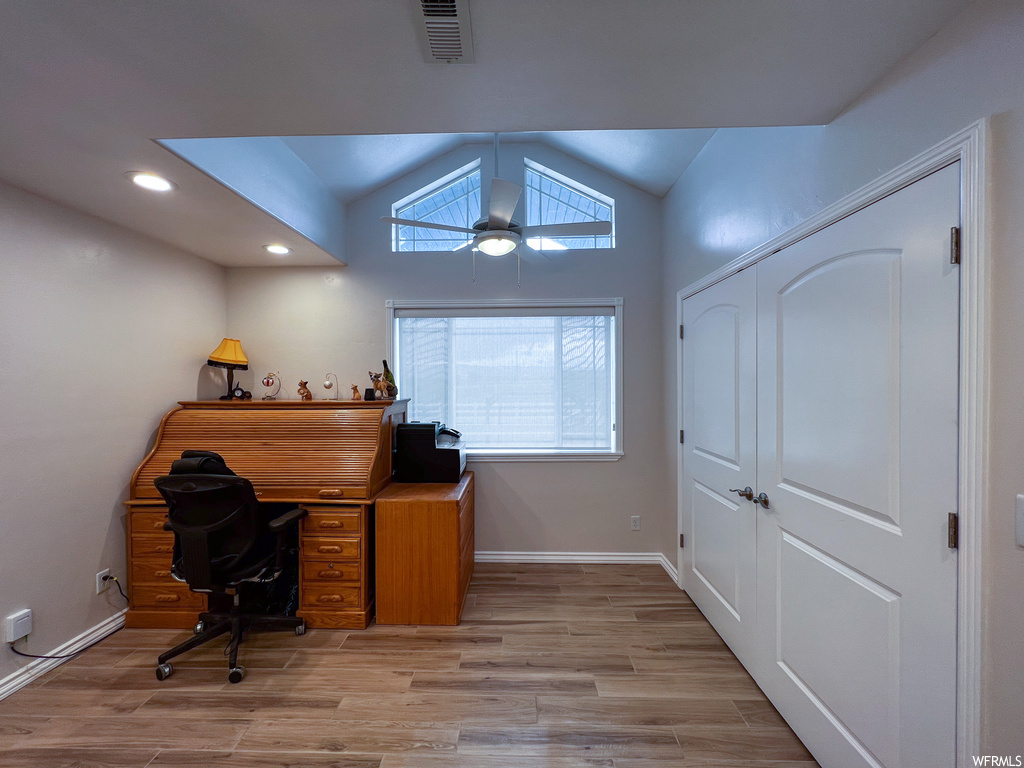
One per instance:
(85, 88)
(351, 166)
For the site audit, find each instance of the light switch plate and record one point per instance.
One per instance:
(1020, 520)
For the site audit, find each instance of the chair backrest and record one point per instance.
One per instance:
(221, 535)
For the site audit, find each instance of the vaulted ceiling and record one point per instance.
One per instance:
(87, 87)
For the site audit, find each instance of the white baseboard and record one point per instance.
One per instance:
(655, 558)
(38, 667)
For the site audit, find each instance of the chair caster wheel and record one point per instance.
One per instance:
(236, 674)
(301, 629)
(198, 628)
(163, 671)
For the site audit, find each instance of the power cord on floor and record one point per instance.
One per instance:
(33, 656)
(78, 652)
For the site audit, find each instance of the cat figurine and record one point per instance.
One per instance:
(380, 386)
(304, 392)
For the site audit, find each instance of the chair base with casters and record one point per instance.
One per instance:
(212, 624)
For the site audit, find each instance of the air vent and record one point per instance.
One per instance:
(444, 31)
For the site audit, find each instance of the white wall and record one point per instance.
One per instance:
(749, 185)
(101, 331)
(308, 321)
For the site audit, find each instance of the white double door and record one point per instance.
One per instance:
(825, 377)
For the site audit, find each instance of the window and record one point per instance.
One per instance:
(453, 200)
(520, 380)
(552, 198)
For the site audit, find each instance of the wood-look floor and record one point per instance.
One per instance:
(554, 666)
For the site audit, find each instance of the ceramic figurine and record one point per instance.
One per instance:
(355, 392)
(304, 393)
(380, 387)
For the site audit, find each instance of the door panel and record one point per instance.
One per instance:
(823, 346)
(719, 373)
(857, 451)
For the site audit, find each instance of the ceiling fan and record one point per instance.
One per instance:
(498, 235)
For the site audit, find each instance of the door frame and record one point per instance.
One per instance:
(969, 147)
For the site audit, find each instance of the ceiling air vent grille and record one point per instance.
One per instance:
(444, 31)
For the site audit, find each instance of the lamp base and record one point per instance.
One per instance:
(231, 385)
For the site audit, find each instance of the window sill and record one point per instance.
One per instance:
(532, 456)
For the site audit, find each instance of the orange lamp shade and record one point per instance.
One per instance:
(229, 355)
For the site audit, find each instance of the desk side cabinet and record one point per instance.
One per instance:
(424, 551)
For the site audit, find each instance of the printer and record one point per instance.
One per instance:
(428, 453)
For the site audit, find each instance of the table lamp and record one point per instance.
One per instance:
(229, 355)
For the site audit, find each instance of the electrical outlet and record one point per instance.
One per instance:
(634, 523)
(17, 625)
(101, 583)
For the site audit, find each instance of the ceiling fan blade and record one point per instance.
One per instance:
(575, 229)
(426, 225)
(504, 198)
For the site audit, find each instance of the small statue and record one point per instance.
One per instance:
(389, 377)
(355, 392)
(304, 392)
(380, 386)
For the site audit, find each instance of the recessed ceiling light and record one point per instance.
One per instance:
(279, 250)
(152, 181)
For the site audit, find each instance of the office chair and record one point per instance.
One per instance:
(222, 546)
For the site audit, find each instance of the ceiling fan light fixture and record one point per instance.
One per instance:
(497, 243)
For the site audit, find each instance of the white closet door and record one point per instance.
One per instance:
(719, 380)
(857, 438)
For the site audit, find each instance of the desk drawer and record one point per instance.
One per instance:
(151, 569)
(147, 546)
(328, 571)
(170, 596)
(149, 523)
(330, 596)
(330, 523)
(324, 548)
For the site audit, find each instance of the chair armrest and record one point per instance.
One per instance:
(290, 517)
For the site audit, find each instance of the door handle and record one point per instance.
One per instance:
(746, 493)
(761, 499)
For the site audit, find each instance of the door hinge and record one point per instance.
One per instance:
(680, 331)
(954, 530)
(680, 436)
(954, 245)
(680, 541)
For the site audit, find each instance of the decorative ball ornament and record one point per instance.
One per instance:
(329, 385)
(272, 381)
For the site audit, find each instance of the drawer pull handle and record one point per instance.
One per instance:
(329, 599)
(168, 598)
(159, 526)
(329, 574)
(325, 550)
(162, 574)
(329, 524)
(163, 548)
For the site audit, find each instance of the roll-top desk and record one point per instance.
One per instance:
(332, 457)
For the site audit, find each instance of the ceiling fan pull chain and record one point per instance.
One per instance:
(474, 265)
(519, 261)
